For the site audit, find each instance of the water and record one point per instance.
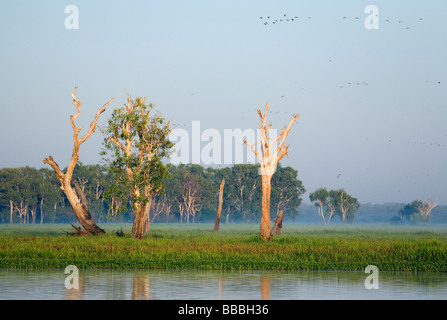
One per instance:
(219, 285)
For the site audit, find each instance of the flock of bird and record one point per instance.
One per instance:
(269, 20)
(284, 18)
(354, 84)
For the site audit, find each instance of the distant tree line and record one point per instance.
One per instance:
(338, 203)
(190, 194)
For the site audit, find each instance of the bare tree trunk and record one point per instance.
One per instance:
(180, 209)
(23, 210)
(321, 211)
(41, 211)
(33, 214)
(277, 227)
(11, 205)
(80, 209)
(219, 207)
(265, 218)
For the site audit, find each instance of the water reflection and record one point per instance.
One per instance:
(234, 285)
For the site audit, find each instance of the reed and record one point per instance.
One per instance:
(175, 246)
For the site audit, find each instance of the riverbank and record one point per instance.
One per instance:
(234, 247)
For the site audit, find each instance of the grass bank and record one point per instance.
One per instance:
(195, 246)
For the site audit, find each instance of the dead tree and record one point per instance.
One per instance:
(79, 207)
(268, 159)
(219, 207)
(425, 208)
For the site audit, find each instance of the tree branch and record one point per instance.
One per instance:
(254, 151)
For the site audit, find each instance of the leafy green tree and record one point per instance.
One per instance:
(286, 190)
(92, 179)
(9, 191)
(244, 188)
(345, 205)
(50, 194)
(417, 211)
(409, 211)
(320, 197)
(136, 143)
(190, 190)
(20, 192)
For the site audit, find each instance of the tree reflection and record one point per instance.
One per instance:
(76, 294)
(141, 286)
(265, 286)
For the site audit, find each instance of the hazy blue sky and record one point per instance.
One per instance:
(373, 103)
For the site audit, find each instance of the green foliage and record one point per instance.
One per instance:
(136, 143)
(343, 204)
(175, 246)
(411, 212)
(242, 192)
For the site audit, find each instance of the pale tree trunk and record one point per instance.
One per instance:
(139, 214)
(343, 207)
(268, 160)
(180, 209)
(41, 211)
(22, 210)
(33, 211)
(138, 223)
(265, 217)
(320, 210)
(80, 209)
(331, 210)
(11, 205)
(146, 221)
(147, 211)
(219, 207)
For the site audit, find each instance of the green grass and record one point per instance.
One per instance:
(195, 246)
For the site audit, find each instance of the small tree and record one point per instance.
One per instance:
(138, 143)
(320, 198)
(80, 209)
(345, 205)
(268, 159)
(417, 211)
(426, 207)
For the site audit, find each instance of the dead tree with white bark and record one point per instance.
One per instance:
(74, 195)
(426, 208)
(269, 158)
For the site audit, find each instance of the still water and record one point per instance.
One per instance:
(219, 285)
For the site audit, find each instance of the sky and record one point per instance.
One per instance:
(371, 90)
